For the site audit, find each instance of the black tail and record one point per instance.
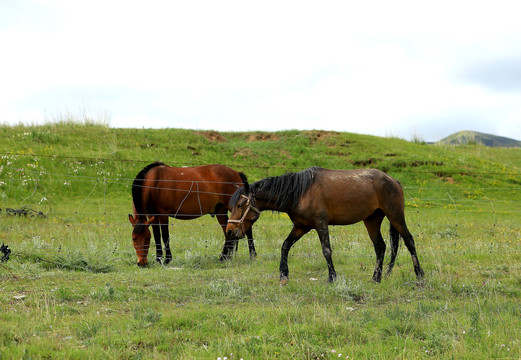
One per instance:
(395, 242)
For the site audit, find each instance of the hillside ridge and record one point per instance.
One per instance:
(475, 137)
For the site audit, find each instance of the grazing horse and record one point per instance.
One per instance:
(160, 191)
(316, 198)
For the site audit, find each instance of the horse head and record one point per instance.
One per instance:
(141, 238)
(244, 213)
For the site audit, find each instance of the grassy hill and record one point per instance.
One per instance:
(123, 151)
(474, 137)
(60, 152)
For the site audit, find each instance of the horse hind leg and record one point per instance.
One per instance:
(372, 225)
(166, 240)
(408, 239)
(395, 242)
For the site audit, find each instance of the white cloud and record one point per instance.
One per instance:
(381, 67)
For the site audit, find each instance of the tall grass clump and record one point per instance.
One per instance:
(80, 118)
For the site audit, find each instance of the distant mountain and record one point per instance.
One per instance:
(474, 137)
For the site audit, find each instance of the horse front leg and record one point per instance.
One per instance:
(295, 234)
(230, 244)
(323, 234)
(157, 238)
(251, 245)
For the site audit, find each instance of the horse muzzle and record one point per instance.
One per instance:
(142, 263)
(234, 234)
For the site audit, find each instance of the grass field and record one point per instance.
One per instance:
(71, 288)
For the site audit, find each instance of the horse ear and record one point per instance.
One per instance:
(150, 220)
(244, 179)
(131, 219)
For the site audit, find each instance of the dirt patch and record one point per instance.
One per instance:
(213, 136)
(315, 135)
(449, 180)
(262, 137)
(362, 163)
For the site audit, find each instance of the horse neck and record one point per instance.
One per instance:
(263, 202)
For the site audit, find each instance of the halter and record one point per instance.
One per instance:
(250, 207)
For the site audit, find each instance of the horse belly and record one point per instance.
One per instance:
(350, 207)
(348, 216)
(196, 205)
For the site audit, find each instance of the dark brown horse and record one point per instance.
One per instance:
(316, 198)
(160, 191)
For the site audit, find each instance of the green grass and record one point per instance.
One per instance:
(72, 289)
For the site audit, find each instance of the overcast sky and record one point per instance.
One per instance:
(411, 69)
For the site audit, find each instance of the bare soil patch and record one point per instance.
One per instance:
(213, 136)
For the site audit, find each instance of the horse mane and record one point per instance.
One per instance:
(137, 188)
(282, 191)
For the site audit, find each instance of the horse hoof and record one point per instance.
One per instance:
(224, 258)
(283, 281)
(420, 274)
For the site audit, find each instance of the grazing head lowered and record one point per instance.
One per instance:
(141, 238)
(160, 192)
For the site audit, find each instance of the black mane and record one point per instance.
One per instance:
(282, 191)
(137, 188)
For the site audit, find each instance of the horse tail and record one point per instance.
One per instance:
(137, 190)
(395, 242)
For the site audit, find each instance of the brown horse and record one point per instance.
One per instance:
(316, 198)
(160, 191)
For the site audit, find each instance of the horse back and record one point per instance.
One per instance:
(348, 196)
(193, 191)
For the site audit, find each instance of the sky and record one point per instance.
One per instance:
(408, 69)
